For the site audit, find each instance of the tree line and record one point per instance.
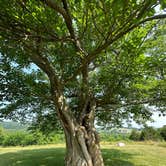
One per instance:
(25, 138)
(149, 133)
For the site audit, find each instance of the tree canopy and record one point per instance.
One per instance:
(126, 70)
(95, 59)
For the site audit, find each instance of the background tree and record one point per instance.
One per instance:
(163, 132)
(149, 133)
(1, 135)
(135, 135)
(90, 63)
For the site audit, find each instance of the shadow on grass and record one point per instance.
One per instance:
(55, 156)
(38, 157)
(114, 157)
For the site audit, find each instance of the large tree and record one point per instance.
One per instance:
(91, 62)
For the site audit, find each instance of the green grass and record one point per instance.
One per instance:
(50, 155)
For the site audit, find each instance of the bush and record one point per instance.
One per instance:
(163, 132)
(149, 133)
(135, 135)
(22, 138)
(40, 138)
(113, 137)
(29, 140)
(2, 134)
(57, 138)
(19, 139)
(13, 139)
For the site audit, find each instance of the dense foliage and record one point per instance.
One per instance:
(1, 135)
(81, 61)
(122, 78)
(163, 132)
(149, 133)
(25, 138)
(135, 135)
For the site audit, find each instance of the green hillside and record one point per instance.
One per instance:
(13, 126)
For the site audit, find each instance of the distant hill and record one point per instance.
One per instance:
(122, 130)
(13, 126)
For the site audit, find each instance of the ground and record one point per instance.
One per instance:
(153, 154)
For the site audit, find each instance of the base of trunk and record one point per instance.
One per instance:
(83, 149)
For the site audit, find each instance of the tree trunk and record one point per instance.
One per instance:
(82, 142)
(82, 148)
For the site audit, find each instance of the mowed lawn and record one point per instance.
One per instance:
(53, 155)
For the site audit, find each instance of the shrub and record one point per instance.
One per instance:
(40, 138)
(13, 139)
(149, 133)
(29, 140)
(19, 139)
(57, 138)
(26, 138)
(113, 137)
(2, 134)
(163, 132)
(135, 135)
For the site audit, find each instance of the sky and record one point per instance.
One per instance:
(158, 121)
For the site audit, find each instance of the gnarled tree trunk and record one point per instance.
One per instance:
(82, 142)
(83, 148)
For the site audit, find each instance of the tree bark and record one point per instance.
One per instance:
(82, 141)
(82, 148)
(82, 144)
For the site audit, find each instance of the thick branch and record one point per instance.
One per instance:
(68, 19)
(64, 11)
(156, 17)
(59, 100)
(43, 63)
(64, 14)
(96, 52)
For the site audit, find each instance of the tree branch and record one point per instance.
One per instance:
(64, 11)
(155, 17)
(91, 56)
(71, 29)
(43, 63)
(65, 14)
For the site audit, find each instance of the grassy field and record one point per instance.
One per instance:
(53, 155)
